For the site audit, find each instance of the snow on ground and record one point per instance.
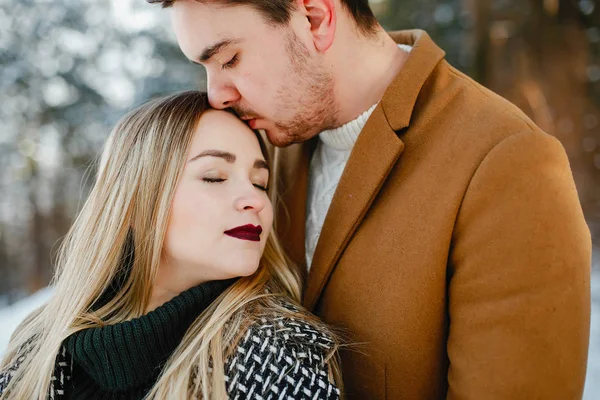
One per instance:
(592, 383)
(11, 316)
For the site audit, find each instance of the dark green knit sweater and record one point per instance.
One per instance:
(123, 361)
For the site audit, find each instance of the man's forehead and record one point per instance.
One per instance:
(213, 22)
(203, 28)
(212, 10)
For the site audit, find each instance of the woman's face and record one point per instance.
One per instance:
(221, 215)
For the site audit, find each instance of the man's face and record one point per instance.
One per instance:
(272, 76)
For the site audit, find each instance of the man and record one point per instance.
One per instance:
(437, 224)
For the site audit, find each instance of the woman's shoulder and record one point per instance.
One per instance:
(282, 353)
(293, 330)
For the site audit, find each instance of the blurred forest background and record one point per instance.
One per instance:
(70, 68)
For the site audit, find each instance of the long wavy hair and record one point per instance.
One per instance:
(139, 170)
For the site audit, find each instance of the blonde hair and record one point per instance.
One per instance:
(140, 169)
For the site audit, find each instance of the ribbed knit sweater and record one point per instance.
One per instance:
(124, 360)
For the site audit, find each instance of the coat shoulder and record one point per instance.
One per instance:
(454, 108)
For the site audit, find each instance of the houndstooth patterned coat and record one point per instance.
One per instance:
(281, 358)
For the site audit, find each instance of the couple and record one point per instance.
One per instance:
(422, 214)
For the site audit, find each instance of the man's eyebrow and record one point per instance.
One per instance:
(230, 158)
(210, 51)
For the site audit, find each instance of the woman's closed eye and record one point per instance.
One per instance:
(261, 187)
(213, 180)
(220, 180)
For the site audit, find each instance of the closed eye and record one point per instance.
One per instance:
(231, 63)
(213, 180)
(263, 188)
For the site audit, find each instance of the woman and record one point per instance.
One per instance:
(171, 283)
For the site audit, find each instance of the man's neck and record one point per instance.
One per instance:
(366, 66)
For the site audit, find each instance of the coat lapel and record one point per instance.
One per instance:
(373, 157)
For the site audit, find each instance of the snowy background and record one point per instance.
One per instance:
(592, 384)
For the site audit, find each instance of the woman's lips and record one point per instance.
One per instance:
(246, 232)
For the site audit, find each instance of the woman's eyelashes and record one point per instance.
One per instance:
(261, 187)
(221, 180)
(213, 180)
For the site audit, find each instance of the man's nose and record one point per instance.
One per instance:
(221, 93)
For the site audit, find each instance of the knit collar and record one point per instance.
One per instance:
(131, 354)
(344, 137)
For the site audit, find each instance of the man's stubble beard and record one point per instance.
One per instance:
(309, 97)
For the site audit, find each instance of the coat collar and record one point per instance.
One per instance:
(400, 98)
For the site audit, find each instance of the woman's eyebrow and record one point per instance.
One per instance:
(230, 158)
(261, 164)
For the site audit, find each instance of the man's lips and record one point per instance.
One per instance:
(251, 121)
(246, 232)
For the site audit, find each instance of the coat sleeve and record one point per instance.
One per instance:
(519, 279)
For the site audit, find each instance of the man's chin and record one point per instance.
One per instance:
(280, 139)
(284, 138)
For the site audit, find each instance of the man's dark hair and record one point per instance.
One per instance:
(278, 12)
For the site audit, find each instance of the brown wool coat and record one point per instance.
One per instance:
(455, 249)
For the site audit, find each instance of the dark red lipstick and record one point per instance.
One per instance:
(246, 232)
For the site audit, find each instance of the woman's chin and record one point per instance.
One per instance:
(238, 270)
(246, 270)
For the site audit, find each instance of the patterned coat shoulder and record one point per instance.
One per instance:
(7, 373)
(281, 357)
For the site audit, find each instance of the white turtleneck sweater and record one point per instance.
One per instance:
(326, 167)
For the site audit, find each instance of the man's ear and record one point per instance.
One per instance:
(322, 17)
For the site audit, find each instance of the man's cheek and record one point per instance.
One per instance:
(254, 83)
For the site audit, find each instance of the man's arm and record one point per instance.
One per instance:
(519, 290)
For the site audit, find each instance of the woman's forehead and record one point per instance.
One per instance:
(221, 130)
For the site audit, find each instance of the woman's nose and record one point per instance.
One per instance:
(250, 200)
